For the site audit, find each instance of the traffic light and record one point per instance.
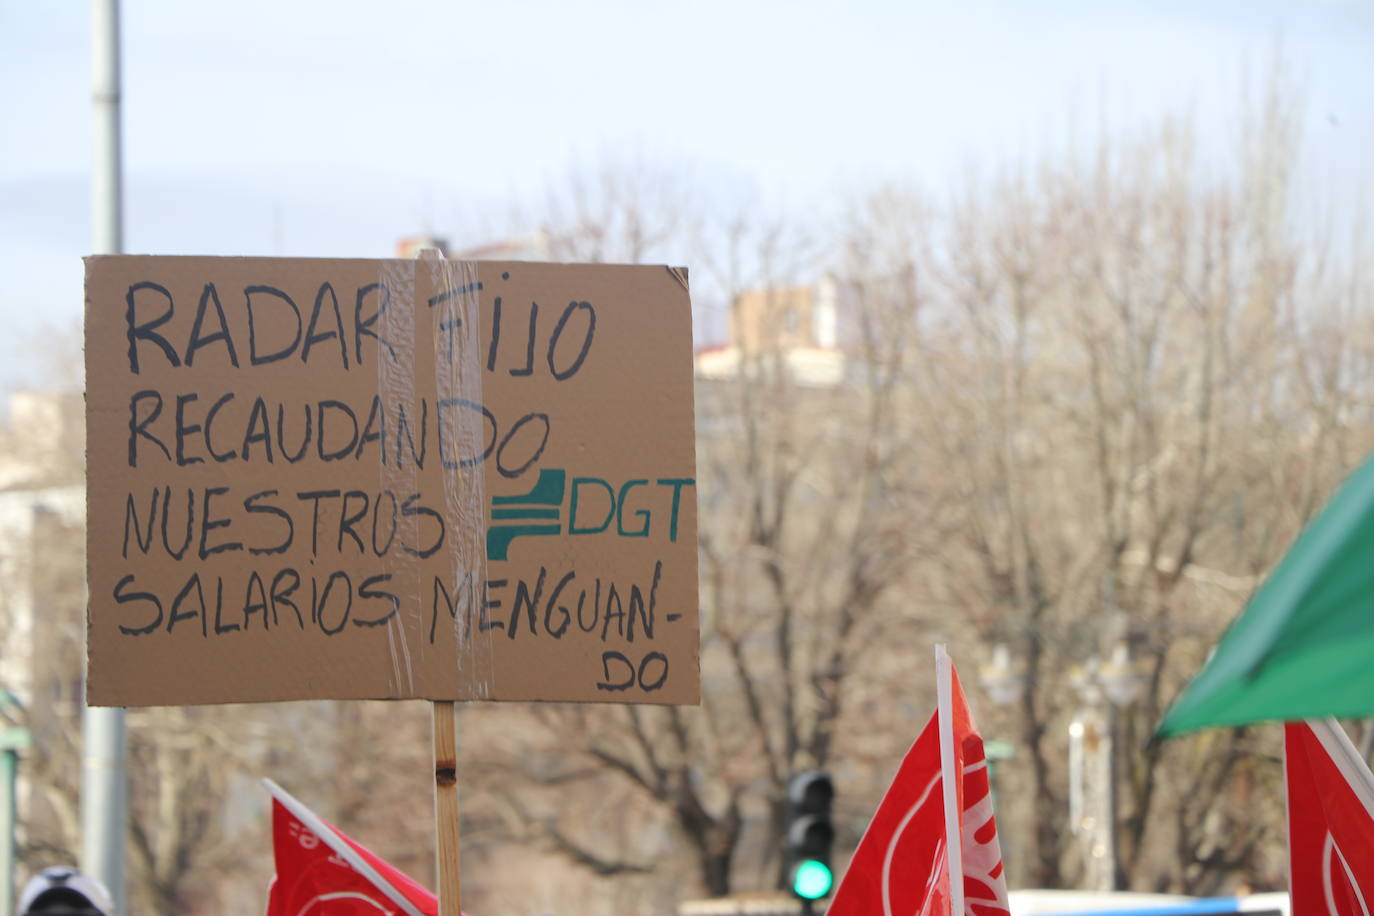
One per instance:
(809, 835)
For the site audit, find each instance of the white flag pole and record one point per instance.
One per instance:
(1288, 812)
(949, 779)
(1346, 757)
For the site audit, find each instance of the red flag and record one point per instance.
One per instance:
(903, 862)
(323, 872)
(1330, 821)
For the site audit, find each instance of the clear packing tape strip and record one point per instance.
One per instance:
(446, 294)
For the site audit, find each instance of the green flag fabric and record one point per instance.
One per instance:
(1304, 646)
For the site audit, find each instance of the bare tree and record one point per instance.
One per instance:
(1120, 363)
(805, 537)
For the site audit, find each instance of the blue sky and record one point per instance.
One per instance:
(310, 128)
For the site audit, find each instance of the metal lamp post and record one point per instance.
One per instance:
(104, 793)
(1092, 761)
(1004, 684)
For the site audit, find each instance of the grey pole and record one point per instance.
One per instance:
(1109, 800)
(9, 764)
(107, 192)
(13, 738)
(104, 813)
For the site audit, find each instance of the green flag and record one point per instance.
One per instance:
(1304, 645)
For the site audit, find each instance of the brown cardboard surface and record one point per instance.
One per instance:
(312, 478)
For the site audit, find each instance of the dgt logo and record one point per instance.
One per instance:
(594, 505)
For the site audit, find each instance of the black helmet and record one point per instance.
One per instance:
(64, 891)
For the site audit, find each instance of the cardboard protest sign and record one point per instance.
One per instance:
(383, 479)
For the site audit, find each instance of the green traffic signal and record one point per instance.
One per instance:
(809, 835)
(811, 880)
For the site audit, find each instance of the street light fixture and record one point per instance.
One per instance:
(1120, 679)
(1092, 762)
(1004, 683)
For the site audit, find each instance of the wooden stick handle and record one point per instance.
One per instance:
(446, 806)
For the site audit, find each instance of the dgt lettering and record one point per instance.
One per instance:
(595, 504)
